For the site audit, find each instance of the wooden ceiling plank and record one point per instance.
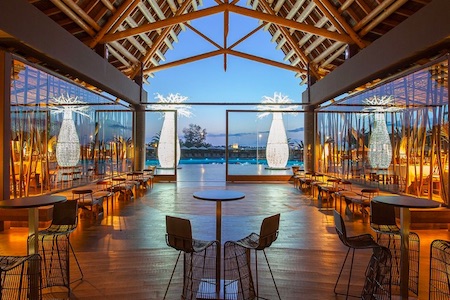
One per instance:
(346, 5)
(290, 15)
(221, 8)
(339, 22)
(66, 10)
(319, 40)
(327, 52)
(91, 5)
(121, 49)
(156, 9)
(161, 38)
(305, 13)
(118, 15)
(119, 57)
(172, 5)
(308, 36)
(79, 11)
(144, 10)
(295, 9)
(135, 43)
(289, 39)
(364, 7)
(278, 5)
(381, 17)
(289, 55)
(334, 56)
(108, 5)
(346, 8)
(164, 23)
(143, 36)
(370, 16)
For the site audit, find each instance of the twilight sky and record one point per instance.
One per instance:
(243, 81)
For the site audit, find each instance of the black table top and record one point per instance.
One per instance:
(29, 202)
(219, 195)
(407, 201)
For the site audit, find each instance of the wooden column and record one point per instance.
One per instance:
(5, 125)
(139, 138)
(309, 152)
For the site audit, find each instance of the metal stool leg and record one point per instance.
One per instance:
(171, 276)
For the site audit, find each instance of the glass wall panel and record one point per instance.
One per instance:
(262, 146)
(113, 142)
(394, 135)
(53, 131)
(163, 148)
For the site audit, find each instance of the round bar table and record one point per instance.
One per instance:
(405, 203)
(218, 196)
(32, 203)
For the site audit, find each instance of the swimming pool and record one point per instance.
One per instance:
(234, 161)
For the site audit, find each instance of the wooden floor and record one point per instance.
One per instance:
(124, 255)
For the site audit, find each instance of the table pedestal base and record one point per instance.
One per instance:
(207, 289)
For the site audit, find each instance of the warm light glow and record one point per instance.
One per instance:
(380, 148)
(68, 144)
(277, 149)
(166, 146)
(166, 149)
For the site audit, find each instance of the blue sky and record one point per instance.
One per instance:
(206, 80)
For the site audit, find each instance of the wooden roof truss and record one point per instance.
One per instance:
(314, 35)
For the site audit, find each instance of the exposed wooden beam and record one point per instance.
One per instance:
(161, 38)
(222, 8)
(66, 10)
(79, 11)
(265, 61)
(289, 23)
(203, 36)
(182, 62)
(221, 52)
(371, 15)
(164, 23)
(226, 19)
(288, 37)
(115, 17)
(378, 59)
(387, 12)
(247, 36)
(335, 17)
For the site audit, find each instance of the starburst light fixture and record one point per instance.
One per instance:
(68, 143)
(166, 146)
(380, 148)
(277, 149)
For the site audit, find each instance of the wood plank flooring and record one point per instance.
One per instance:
(124, 255)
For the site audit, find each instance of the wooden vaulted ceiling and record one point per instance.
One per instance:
(314, 35)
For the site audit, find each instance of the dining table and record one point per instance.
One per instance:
(219, 196)
(32, 204)
(405, 202)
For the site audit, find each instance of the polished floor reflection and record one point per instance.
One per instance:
(124, 254)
